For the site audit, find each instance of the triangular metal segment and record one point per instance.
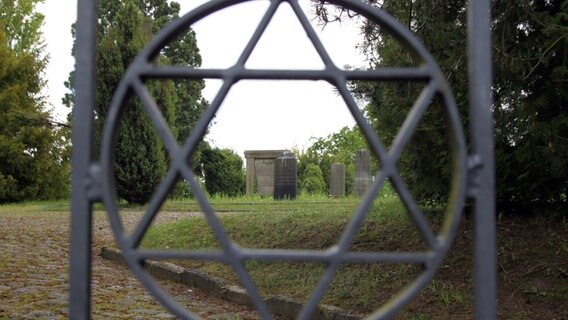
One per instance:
(157, 200)
(314, 38)
(310, 307)
(284, 31)
(158, 120)
(252, 289)
(206, 118)
(258, 33)
(375, 144)
(412, 119)
(414, 211)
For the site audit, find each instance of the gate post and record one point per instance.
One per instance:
(82, 155)
(481, 128)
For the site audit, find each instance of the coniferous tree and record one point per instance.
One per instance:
(125, 27)
(33, 149)
(140, 159)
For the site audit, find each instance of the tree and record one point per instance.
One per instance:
(223, 171)
(529, 93)
(125, 27)
(33, 151)
(531, 103)
(338, 147)
(140, 158)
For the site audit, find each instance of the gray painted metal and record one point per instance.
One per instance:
(481, 128)
(93, 181)
(82, 159)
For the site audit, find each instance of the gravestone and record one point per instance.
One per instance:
(285, 177)
(362, 172)
(260, 171)
(337, 180)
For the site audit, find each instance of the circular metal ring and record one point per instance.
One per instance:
(142, 68)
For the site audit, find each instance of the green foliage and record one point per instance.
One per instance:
(530, 70)
(313, 182)
(223, 171)
(442, 29)
(33, 151)
(531, 50)
(125, 27)
(22, 26)
(338, 147)
(140, 159)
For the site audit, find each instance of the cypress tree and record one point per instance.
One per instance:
(125, 27)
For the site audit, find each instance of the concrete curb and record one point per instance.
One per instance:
(220, 288)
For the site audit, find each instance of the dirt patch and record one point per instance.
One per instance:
(532, 265)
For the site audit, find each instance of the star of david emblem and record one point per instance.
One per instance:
(334, 257)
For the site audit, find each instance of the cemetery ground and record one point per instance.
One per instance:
(532, 260)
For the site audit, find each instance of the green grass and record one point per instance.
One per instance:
(315, 224)
(35, 207)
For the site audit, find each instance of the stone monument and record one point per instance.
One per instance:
(362, 172)
(260, 171)
(337, 180)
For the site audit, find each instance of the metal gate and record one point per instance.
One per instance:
(92, 179)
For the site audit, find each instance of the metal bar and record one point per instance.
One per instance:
(82, 137)
(412, 120)
(375, 144)
(383, 74)
(314, 39)
(160, 195)
(347, 257)
(481, 120)
(230, 249)
(287, 255)
(172, 147)
(258, 33)
(415, 212)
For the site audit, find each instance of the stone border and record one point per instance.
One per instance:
(220, 288)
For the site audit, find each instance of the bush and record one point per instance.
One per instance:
(223, 171)
(313, 182)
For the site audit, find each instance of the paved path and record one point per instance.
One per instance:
(34, 250)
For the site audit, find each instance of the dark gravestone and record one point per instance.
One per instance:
(285, 177)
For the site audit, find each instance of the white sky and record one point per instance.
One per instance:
(255, 114)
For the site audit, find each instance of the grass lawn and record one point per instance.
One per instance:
(532, 253)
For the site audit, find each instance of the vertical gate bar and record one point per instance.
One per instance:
(481, 127)
(82, 138)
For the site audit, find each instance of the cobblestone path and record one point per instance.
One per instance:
(34, 262)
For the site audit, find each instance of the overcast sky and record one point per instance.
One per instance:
(256, 114)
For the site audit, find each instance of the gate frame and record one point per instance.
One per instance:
(481, 190)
